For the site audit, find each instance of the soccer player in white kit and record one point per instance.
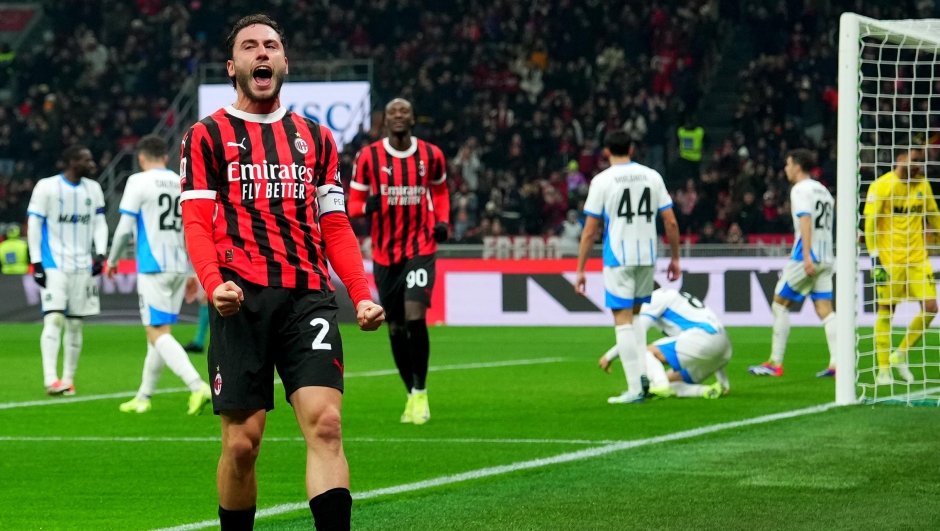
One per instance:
(628, 196)
(66, 218)
(809, 271)
(696, 346)
(151, 209)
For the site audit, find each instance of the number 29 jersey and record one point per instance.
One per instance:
(153, 197)
(810, 198)
(628, 197)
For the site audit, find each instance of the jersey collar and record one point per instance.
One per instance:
(275, 116)
(70, 183)
(401, 154)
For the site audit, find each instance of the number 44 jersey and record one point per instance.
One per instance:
(628, 197)
(810, 198)
(153, 198)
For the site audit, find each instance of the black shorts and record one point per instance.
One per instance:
(411, 280)
(291, 330)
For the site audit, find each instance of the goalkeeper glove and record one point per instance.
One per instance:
(441, 232)
(39, 274)
(97, 266)
(373, 204)
(878, 272)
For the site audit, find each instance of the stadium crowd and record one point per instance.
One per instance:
(519, 94)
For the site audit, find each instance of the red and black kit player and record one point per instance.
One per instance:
(400, 182)
(263, 212)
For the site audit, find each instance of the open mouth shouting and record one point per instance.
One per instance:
(263, 76)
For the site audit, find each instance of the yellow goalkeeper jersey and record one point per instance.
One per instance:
(895, 212)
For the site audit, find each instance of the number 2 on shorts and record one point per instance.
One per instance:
(318, 343)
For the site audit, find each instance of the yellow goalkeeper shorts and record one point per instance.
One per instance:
(907, 282)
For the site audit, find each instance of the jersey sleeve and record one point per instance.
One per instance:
(100, 206)
(199, 170)
(330, 196)
(663, 200)
(362, 171)
(39, 201)
(130, 201)
(438, 167)
(594, 204)
(800, 201)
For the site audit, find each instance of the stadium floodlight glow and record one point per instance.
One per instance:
(887, 104)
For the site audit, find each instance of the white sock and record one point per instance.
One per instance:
(626, 344)
(656, 371)
(640, 332)
(612, 354)
(73, 349)
(685, 390)
(153, 367)
(178, 361)
(829, 324)
(781, 333)
(49, 343)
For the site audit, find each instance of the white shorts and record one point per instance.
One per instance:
(75, 294)
(161, 297)
(696, 354)
(628, 286)
(795, 284)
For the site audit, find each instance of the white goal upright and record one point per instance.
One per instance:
(889, 104)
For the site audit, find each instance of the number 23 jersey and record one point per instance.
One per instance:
(628, 197)
(153, 197)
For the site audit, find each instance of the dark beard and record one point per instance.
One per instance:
(244, 81)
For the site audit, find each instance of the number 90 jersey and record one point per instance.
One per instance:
(628, 197)
(810, 198)
(153, 197)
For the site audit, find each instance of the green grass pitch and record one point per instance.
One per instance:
(65, 466)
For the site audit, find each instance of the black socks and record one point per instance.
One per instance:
(420, 351)
(398, 335)
(332, 510)
(243, 520)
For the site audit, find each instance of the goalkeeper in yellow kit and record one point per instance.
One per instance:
(898, 204)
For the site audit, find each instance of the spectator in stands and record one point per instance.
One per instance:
(735, 235)
(691, 139)
(570, 234)
(708, 235)
(464, 210)
(749, 218)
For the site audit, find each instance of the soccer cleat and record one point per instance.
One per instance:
(69, 390)
(193, 348)
(58, 388)
(829, 372)
(661, 392)
(135, 406)
(420, 412)
(627, 398)
(884, 377)
(767, 369)
(406, 417)
(645, 384)
(199, 400)
(714, 391)
(899, 362)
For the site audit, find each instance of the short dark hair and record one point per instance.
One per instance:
(803, 158)
(619, 143)
(153, 147)
(71, 153)
(251, 20)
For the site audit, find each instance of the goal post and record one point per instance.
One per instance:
(887, 105)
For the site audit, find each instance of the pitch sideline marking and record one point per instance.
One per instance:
(126, 394)
(527, 465)
(301, 439)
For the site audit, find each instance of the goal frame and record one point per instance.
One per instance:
(847, 178)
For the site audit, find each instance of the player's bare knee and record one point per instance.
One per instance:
(242, 448)
(155, 332)
(930, 306)
(782, 301)
(327, 429)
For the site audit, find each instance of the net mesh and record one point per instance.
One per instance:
(899, 146)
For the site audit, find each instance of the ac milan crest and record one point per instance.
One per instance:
(217, 384)
(301, 145)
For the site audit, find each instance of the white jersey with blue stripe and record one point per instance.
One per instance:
(69, 215)
(673, 312)
(810, 198)
(628, 197)
(153, 198)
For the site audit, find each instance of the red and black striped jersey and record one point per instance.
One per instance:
(271, 177)
(403, 228)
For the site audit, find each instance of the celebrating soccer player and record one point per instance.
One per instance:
(263, 211)
(151, 206)
(628, 196)
(898, 203)
(809, 271)
(400, 182)
(696, 346)
(66, 216)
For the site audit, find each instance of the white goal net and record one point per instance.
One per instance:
(888, 228)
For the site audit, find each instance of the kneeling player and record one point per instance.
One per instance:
(695, 348)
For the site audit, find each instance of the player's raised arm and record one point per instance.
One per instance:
(342, 248)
